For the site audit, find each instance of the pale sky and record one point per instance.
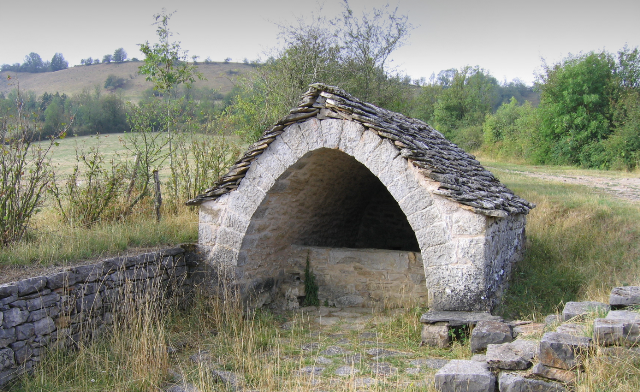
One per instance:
(507, 38)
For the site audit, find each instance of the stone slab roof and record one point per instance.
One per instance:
(460, 176)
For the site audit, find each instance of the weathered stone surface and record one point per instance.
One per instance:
(383, 369)
(25, 331)
(489, 332)
(14, 316)
(572, 329)
(467, 376)
(183, 388)
(563, 351)
(435, 335)
(579, 309)
(512, 356)
(625, 296)
(346, 371)
(7, 290)
(310, 371)
(511, 382)
(620, 327)
(551, 373)
(7, 359)
(431, 363)
(457, 318)
(44, 326)
(7, 336)
(230, 379)
(379, 353)
(335, 350)
(552, 319)
(31, 285)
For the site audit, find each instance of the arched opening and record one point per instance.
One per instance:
(330, 208)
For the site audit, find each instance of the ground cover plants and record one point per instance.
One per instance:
(581, 243)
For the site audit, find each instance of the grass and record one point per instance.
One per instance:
(580, 244)
(220, 77)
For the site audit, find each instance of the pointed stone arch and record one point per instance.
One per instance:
(464, 266)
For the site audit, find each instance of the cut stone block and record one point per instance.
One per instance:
(572, 329)
(512, 356)
(511, 382)
(465, 376)
(552, 319)
(562, 375)
(579, 309)
(620, 327)
(625, 296)
(563, 351)
(489, 332)
(435, 335)
(456, 318)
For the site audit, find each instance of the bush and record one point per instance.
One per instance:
(113, 82)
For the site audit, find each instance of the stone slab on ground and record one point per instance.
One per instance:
(512, 356)
(572, 329)
(489, 332)
(620, 327)
(457, 318)
(579, 309)
(511, 382)
(431, 363)
(346, 371)
(435, 335)
(551, 373)
(383, 369)
(465, 376)
(563, 351)
(625, 296)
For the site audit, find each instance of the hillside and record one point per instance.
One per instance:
(219, 76)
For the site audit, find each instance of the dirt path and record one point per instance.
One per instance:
(626, 188)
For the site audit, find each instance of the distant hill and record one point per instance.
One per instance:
(219, 76)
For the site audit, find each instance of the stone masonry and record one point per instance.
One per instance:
(80, 302)
(341, 173)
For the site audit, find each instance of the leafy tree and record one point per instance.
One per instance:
(166, 66)
(119, 55)
(58, 62)
(113, 82)
(107, 58)
(33, 63)
(575, 105)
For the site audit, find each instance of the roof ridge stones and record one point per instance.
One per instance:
(460, 176)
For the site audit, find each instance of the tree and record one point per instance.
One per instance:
(87, 61)
(58, 62)
(113, 82)
(166, 66)
(119, 55)
(576, 94)
(107, 58)
(367, 43)
(33, 63)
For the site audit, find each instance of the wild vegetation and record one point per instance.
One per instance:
(582, 111)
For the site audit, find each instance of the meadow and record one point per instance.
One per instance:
(581, 242)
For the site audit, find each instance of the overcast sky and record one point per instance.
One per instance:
(508, 38)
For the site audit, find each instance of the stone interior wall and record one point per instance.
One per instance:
(326, 199)
(79, 303)
(358, 277)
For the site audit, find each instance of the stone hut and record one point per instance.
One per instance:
(382, 207)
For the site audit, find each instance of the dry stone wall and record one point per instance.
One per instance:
(80, 302)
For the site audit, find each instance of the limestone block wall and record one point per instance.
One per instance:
(362, 277)
(80, 302)
(335, 183)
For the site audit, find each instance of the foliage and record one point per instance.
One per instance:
(113, 82)
(575, 105)
(351, 52)
(310, 287)
(512, 132)
(24, 174)
(107, 58)
(119, 55)
(58, 62)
